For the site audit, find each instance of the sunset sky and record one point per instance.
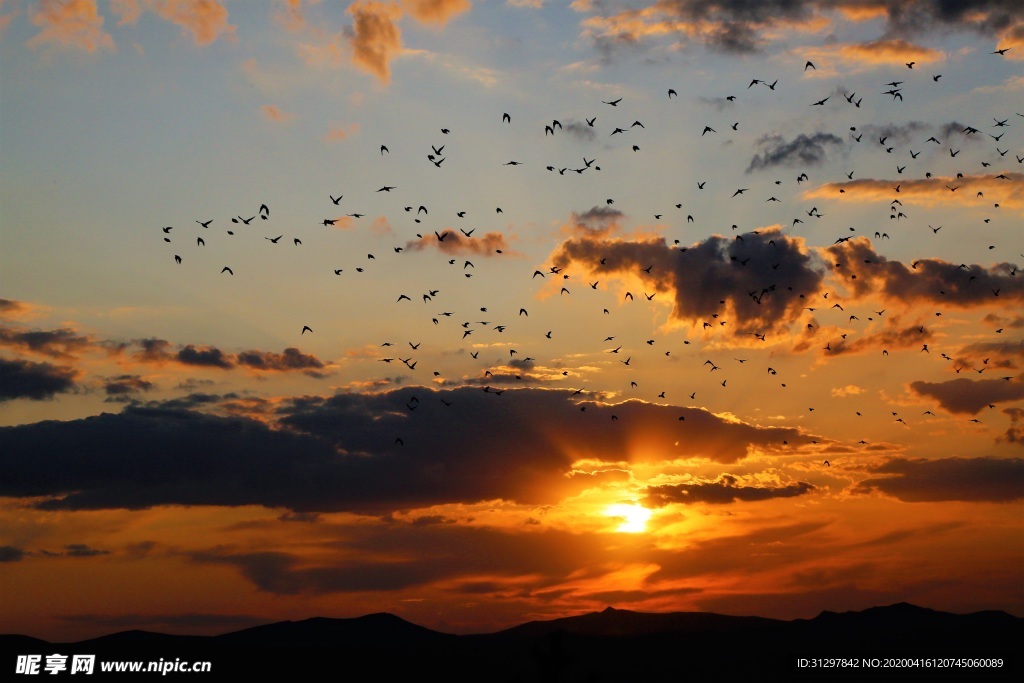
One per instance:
(709, 321)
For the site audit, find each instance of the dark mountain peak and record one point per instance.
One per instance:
(625, 623)
(371, 629)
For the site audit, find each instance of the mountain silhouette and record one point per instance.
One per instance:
(611, 645)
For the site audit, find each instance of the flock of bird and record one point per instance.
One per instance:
(468, 326)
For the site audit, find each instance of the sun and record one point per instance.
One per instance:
(634, 517)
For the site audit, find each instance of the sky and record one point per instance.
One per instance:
(478, 313)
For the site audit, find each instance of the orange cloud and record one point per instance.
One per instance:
(1012, 37)
(272, 113)
(9, 308)
(381, 226)
(377, 39)
(338, 132)
(205, 19)
(863, 12)
(867, 273)
(290, 15)
(127, 10)
(6, 18)
(75, 24)
(893, 51)
(1007, 190)
(435, 11)
(455, 243)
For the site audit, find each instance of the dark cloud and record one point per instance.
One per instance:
(746, 26)
(206, 356)
(154, 350)
(866, 272)
(193, 400)
(1015, 432)
(1015, 322)
(897, 135)
(969, 396)
(342, 453)
(35, 381)
(719, 492)
(306, 517)
(580, 131)
(290, 359)
(959, 130)
(994, 480)
(82, 550)
(9, 307)
(121, 388)
(62, 343)
(763, 279)
(719, 103)
(8, 553)
(597, 220)
(802, 151)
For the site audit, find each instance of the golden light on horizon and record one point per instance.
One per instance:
(634, 517)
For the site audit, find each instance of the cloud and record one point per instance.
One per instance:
(801, 151)
(123, 387)
(719, 492)
(273, 113)
(865, 273)
(756, 283)
(82, 550)
(206, 356)
(893, 337)
(735, 27)
(900, 134)
(969, 396)
(376, 39)
(35, 381)
(290, 359)
(457, 243)
(73, 24)
(596, 221)
(580, 131)
(339, 131)
(8, 553)
(1008, 192)
(60, 343)
(9, 307)
(881, 52)
(978, 480)
(206, 20)
(719, 103)
(435, 11)
(128, 11)
(1005, 354)
(289, 15)
(160, 351)
(1015, 432)
(369, 453)
(389, 556)
(746, 26)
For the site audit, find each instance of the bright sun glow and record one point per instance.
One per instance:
(634, 517)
